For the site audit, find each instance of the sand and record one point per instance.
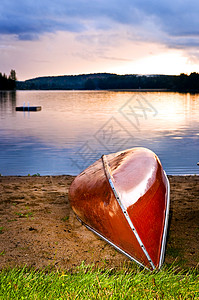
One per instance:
(38, 227)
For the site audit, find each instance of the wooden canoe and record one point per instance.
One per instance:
(124, 199)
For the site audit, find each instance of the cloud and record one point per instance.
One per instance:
(29, 19)
(103, 23)
(116, 58)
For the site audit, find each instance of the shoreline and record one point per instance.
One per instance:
(38, 227)
(112, 90)
(69, 175)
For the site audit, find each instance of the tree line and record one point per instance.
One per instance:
(181, 83)
(107, 81)
(8, 82)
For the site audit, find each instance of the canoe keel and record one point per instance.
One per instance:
(124, 199)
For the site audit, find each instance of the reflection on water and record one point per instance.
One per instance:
(7, 101)
(75, 128)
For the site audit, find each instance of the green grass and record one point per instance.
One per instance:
(65, 218)
(24, 215)
(87, 282)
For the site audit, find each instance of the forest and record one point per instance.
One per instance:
(103, 81)
(8, 82)
(108, 81)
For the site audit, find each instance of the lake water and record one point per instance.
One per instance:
(74, 128)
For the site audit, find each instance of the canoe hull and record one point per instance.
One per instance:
(123, 198)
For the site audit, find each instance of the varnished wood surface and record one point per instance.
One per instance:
(140, 181)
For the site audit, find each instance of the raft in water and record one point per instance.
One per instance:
(28, 108)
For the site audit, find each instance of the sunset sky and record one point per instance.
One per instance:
(45, 37)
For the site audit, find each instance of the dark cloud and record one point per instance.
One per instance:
(177, 18)
(28, 19)
(176, 23)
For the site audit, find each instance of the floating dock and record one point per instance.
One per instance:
(28, 108)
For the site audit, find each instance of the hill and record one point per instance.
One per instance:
(65, 82)
(106, 81)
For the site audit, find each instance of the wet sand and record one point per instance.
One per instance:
(38, 227)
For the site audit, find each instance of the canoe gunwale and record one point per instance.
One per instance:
(112, 244)
(166, 221)
(116, 194)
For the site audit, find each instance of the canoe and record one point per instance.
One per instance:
(124, 199)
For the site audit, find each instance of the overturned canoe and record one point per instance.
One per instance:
(124, 199)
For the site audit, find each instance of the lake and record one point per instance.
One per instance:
(74, 128)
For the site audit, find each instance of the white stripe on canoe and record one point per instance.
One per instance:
(166, 220)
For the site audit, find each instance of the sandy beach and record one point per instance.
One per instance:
(38, 227)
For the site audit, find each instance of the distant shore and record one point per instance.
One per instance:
(38, 228)
(109, 81)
